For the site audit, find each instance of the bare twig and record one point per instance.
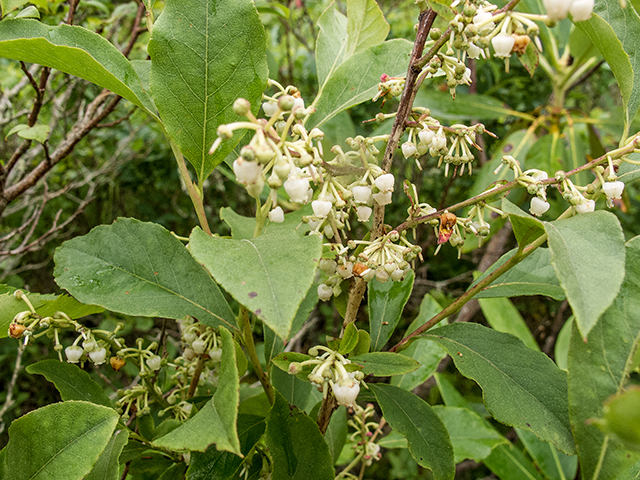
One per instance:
(8, 402)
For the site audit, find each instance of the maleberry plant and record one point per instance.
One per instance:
(234, 398)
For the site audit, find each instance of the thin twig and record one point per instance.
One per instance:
(8, 402)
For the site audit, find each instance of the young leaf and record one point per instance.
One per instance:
(108, 466)
(590, 267)
(503, 316)
(622, 417)
(414, 418)
(385, 364)
(599, 368)
(554, 464)
(521, 387)
(205, 55)
(139, 268)
(364, 343)
(270, 274)
(349, 339)
(296, 445)
(76, 51)
(62, 440)
(215, 423)
(72, 382)
(386, 302)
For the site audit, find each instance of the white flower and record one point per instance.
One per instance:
(361, 194)
(368, 274)
(189, 337)
(189, 354)
(382, 198)
(364, 213)
(324, 292)
(328, 266)
(216, 354)
(89, 345)
(321, 208)
(154, 363)
(557, 9)
(581, 10)
(269, 108)
(246, 172)
(503, 44)
(98, 356)
(409, 149)
(298, 103)
(199, 346)
(276, 215)
(538, 175)
(538, 206)
(297, 188)
(586, 206)
(483, 19)
(385, 182)
(346, 270)
(187, 407)
(613, 189)
(397, 275)
(426, 136)
(439, 140)
(74, 352)
(346, 391)
(473, 51)
(381, 274)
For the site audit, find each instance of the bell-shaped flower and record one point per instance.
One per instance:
(538, 206)
(613, 190)
(503, 44)
(346, 391)
(276, 215)
(73, 353)
(557, 9)
(581, 10)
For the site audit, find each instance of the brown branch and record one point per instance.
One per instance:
(135, 30)
(73, 5)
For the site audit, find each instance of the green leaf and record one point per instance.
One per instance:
(506, 461)
(139, 268)
(270, 275)
(598, 368)
(295, 391)
(45, 306)
(7, 6)
(530, 59)
(330, 46)
(503, 316)
(416, 420)
(62, 440)
(554, 464)
(273, 346)
(521, 387)
(356, 80)
(205, 55)
(76, 51)
(561, 349)
(386, 302)
(366, 26)
(243, 227)
(616, 33)
(364, 343)
(336, 434)
(215, 423)
(549, 153)
(72, 382)
(464, 107)
(39, 133)
(296, 445)
(633, 473)
(283, 360)
(174, 472)
(470, 436)
(108, 466)
(622, 417)
(349, 339)
(532, 276)
(526, 228)
(215, 465)
(585, 248)
(385, 364)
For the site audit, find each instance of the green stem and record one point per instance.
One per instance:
(247, 339)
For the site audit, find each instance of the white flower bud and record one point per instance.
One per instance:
(297, 188)
(246, 172)
(473, 51)
(298, 103)
(382, 198)
(321, 208)
(557, 9)
(586, 206)
(187, 407)
(482, 16)
(397, 275)
(346, 391)
(276, 215)
(581, 10)
(385, 182)
(439, 140)
(189, 354)
(154, 363)
(89, 345)
(364, 213)
(324, 292)
(345, 271)
(73, 353)
(381, 274)
(328, 266)
(269, 108)
(189, 337)
(538, 206)
(426, 136)
(408, 149)
(216, 354)
(361, 194)
(98, 356)
(368, 274)
(503, 44)
(199, 346)
(613, 189)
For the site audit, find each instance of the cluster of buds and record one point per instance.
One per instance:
(134, 400)
(199, 340)
(363, 439)
(454, 69)
(330, 370)
(147, 358)
(389, 87)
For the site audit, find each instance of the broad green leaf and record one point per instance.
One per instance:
(174, 472)
(273, 345)
(215, 465)
(296, 445)
(205, 55)
(507, 462)
(108, 466)
(598, 368)
(336, 434)
(622, 417)
(532, 276)
(393, 440)
(464, 107)
(76, 51)
(356, 80)
(526, 228)
(349, 339)
(270, 274)
(616, 33)
(37, 132)
(215, 423)
(364, 343)
(427, 353)
(633, 473)
(470, 436)
(521, 387)
(243, 227)
(416, 420)
(503, 316)
(366, 26)
(45, 306)
(549, 153)
(304, 310)
(72, 382)
(294, 390)
(7, 6)
(330, 46)
(554, 464)
(385, 364)
(62, 440)
(386, 302)
(587, 252)
(142, 269)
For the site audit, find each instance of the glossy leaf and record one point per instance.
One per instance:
(503, 316)
(270, 275)
(142, 269)
(76, 51)
(599, 368)
(521, 387)
(205, 55)
(416, 420)
(590, 267)
(296, 445)
(215, 423)
(470, 436)
(108, 465)
(386, 302)
(366, 26)
(62, 440)
(554, 464)
(349, 339)
(72, 382)
(385, 364)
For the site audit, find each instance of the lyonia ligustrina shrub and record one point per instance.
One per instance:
(241, 382)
